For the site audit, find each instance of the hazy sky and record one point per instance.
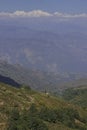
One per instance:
(65, 6)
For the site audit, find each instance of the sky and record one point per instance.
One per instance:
(64, 6)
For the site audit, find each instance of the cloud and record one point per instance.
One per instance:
(52, 67)
(5, 57)
(65, 15)
(32, 57)
(34, 13)
(40, 13)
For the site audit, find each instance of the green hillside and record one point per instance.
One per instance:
(77, 95)
(25, 109)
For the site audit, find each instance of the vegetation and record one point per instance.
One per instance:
(34, 119)
(25, 109)
(77, 95)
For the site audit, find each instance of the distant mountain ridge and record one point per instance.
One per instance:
(39, 80)
(31, 43)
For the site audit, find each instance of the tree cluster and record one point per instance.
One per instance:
(36, 119)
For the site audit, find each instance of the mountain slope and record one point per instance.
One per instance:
(39, 80)
(23, 98)
(77, 95)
